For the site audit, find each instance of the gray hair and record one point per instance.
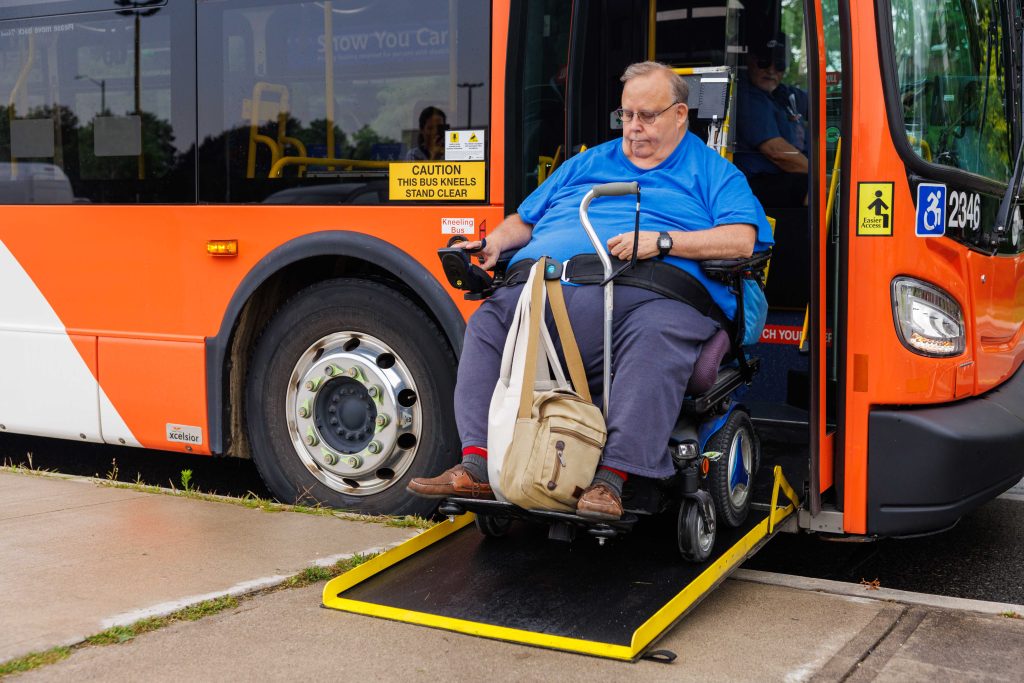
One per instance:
(680, 91)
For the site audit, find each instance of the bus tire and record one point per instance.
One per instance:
(348, 397)
(731, 477)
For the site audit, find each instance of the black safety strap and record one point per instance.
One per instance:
(652, 275)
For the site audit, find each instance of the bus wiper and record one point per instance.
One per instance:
(1013, 187)
(1009, 201)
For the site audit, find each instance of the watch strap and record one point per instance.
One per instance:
(664, 237)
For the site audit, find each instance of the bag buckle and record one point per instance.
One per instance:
(552, 269)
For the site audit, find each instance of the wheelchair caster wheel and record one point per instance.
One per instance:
(695, 535)
(493, 526)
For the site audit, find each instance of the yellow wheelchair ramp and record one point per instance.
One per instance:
(608, 601)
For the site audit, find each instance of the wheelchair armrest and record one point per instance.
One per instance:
(502, 265)
(733, 269)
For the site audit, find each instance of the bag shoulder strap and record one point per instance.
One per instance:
(533, 341)
(573, 359)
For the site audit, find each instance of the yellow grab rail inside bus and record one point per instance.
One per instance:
(833, 189)
(276, 146)
(346, 164)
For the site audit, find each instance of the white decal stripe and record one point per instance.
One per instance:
(47, 388)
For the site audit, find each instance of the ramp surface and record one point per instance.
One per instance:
(612, 601)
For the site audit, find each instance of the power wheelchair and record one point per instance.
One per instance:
(714, 447)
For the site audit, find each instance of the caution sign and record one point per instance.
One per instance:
(874, 209)
(464, 145)
(437, 181)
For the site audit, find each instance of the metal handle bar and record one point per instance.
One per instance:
(605, 190)
(616, 189)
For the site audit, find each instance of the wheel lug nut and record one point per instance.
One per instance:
(330, 458)
(372, 391)
(311, 438)
(374, 447)
(333, 370)
(313, 384)
(382, 421)
(352, 461)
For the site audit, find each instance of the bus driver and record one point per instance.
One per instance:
(696, 206)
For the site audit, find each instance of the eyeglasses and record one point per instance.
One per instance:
(646, 117)
(779, 64)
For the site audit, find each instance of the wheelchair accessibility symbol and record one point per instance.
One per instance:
(931, 210)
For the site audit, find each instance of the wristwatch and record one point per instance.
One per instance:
(664, 244)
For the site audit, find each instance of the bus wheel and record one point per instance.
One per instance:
(349, 396)
(731, 476)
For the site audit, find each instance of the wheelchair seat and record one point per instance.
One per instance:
(705, 370)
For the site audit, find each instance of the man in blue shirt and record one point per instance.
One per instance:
(771, 128)
(695, 206)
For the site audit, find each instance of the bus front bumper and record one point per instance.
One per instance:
(927, 467)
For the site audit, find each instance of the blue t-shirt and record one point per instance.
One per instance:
(761, 116)
(693, 189)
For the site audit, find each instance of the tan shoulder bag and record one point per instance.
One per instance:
(559, 433)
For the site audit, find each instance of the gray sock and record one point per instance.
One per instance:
(609, 478)
(476, 465)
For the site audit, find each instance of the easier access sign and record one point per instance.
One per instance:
(437, 181)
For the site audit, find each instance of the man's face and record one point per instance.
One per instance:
(651, 141)
(767, 77)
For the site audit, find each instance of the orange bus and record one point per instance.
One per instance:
(220, 221)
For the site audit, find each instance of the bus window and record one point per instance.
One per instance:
(951, 70)
(101, 103)
(536, 134)
(310, 102)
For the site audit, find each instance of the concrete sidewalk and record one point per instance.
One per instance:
(79, 556)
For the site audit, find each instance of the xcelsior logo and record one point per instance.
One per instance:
(184, 434)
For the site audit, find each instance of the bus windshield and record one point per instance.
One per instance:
(951, 68)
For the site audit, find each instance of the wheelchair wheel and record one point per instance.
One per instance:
(493, 526)
(731, 477)
(695, 540)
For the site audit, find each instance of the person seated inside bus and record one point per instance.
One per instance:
(771, 128)
(430, 142)
(695, 205)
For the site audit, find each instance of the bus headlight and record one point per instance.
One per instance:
(928, 321)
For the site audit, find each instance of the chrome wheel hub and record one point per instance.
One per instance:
(353, 413)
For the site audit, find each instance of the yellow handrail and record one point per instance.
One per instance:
(833, 189)
(348, 164)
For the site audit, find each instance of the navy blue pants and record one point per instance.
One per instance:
(655, 343)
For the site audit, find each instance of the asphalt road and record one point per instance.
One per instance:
(980, 558)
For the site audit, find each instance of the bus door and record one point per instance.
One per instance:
(708, 41)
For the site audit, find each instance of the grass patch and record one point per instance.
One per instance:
(1010, 614)
(34, 660)
(254, 502)
(122, 634)
(317, 573)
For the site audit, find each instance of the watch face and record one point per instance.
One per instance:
(664, 242)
